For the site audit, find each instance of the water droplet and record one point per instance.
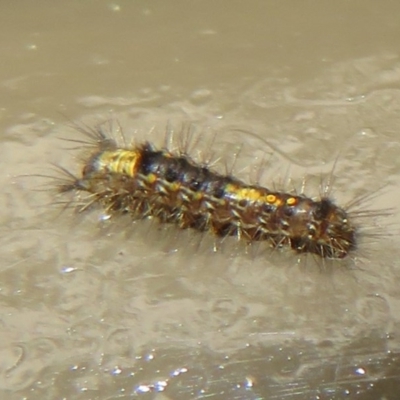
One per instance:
(249, 382)
(116, 370)
(360, 371)
(143, 389)
(160, 386)
(67, 269)
(104, 217)
(149, 357)
(179, 371)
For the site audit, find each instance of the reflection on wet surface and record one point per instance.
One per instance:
(294, 370)
(97, 310)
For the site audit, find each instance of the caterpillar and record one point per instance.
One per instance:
(149, 182)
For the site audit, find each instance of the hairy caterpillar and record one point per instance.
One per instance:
(147, 182)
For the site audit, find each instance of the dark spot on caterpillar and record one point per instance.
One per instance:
(216, 189)
(267, 208)
(322, 209)
(289, 211)
(149, 160)
(243, 203)
(171, 175)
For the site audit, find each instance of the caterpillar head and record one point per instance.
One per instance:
(325, 229)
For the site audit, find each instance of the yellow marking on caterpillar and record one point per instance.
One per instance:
(151, 178)
(175, 186)
(291, 201)
(243, 193)
(270, 198)
(249, 194)
(273, 199)
(198, 196)
(120, 161)
(231, 188)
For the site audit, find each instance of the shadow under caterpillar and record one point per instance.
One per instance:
(147, 182)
